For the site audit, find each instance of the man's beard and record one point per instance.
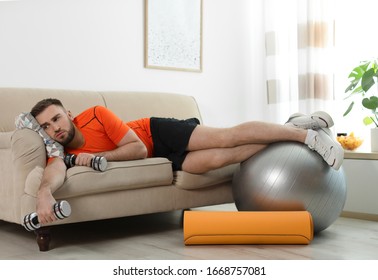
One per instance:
(70, 136)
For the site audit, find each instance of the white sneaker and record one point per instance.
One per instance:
(314, 121)
(331, 151)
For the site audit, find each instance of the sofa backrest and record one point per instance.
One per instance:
(15, 101)
(127, 105)
(135, 105)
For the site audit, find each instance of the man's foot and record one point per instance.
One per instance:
(314, 121)
(322, 142)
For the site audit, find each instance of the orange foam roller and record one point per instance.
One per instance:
(225, 227)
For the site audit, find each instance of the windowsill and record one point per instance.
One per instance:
(361, 154)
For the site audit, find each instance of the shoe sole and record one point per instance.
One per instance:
(339, 151)
(321, 115)
(325, 117)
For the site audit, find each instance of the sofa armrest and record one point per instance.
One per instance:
(27, 151)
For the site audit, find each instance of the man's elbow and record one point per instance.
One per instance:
(143, 152)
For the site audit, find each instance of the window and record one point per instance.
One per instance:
(356, 40)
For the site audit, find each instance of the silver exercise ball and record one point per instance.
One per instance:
(288, 176)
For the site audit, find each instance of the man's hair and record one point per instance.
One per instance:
(43, 104)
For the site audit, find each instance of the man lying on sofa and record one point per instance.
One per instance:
(190, 146)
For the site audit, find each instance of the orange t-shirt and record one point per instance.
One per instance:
(102, 131)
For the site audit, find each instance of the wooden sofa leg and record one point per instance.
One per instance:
(43, 238)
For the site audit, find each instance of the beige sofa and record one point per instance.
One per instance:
(125, 188)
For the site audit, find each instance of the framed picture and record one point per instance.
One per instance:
(173, 34)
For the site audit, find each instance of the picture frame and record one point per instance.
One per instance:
(173, 35)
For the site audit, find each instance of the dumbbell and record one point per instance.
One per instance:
(97, 163)
(62, 209)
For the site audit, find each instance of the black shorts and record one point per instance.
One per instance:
(171, 137)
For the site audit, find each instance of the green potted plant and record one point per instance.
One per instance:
(362, 79)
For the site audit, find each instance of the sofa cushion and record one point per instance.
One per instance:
(120, 175)
(188, 181)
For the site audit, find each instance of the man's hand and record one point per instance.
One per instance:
(45, 202)
(84, 159)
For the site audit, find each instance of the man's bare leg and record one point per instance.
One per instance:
(202, 161)
(246, 133)
(255, 133)
(210, 148)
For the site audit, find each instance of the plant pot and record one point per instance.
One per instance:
(374, 139)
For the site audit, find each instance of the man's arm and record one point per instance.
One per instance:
(52, 179)
(129, 148)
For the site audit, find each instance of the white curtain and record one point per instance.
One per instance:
(299, 41)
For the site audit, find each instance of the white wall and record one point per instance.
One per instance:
(99, 45)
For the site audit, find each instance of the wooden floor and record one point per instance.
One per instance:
(160, 237)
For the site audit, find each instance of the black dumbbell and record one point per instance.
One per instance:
(62, 209)
(98, 163)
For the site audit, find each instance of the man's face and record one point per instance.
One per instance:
(57, 123)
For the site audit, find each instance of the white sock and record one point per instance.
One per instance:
(310, 136)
